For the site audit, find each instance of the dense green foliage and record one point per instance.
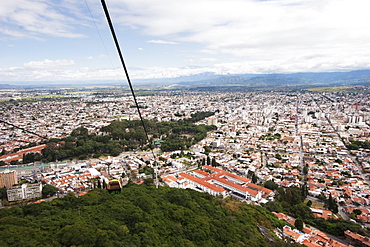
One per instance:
(270, 184)
(290, 200)
(337, 227)
(195, 117)
(299, 224)
(176, 135)
(3, 194)
(49, 190)
(356, 145)
(332, 205)
(125, 135)
(81, 145)
(139, 216)
(270, 136)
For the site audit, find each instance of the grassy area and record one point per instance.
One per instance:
(48, 96)
(315, 204)
(141, 92)
(327, 89)
(82, 92)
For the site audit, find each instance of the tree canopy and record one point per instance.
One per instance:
(49, 190)
(140, 216)
(125, 135)
(355, 145)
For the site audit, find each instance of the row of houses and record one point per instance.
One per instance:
(308, 236)
(72, 180)
(357, 239)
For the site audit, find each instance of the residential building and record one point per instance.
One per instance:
(8, 179)
(357, 239)
(24, 191)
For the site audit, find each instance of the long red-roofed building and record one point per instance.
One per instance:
(218, 182)
(246, 192)
(203, 185)
(19, 155)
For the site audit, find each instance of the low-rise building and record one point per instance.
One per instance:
(357, 239)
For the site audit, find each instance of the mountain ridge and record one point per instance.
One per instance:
(209, 79)
(359, 77)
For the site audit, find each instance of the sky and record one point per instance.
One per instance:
(69, 40)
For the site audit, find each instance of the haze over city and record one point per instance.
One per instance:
(70, 40)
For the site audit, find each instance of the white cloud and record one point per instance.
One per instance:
(54, 74)
(47, 64)
(32, 19)
(280, 32)
(162, 42)
(52, 71)
(223, 37)
(209, 59)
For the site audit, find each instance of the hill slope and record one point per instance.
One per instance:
(139, 216)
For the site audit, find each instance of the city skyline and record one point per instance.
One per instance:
(70, 40)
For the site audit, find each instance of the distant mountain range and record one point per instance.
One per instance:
(360, 77)
(304, 79)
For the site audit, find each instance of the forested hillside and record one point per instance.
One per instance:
(139, 216)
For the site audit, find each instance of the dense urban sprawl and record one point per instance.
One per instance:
(294, 138)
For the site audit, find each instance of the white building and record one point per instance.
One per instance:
(24, 191)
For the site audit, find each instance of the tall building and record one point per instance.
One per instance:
(212, 121)
(8, 179)
(355, 119)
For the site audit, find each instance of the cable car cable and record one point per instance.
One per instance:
(126, 72)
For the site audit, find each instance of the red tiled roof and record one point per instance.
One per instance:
(201, 172)
(169, 178)
(19, 155)
(232, 175)
(307, 230)
(82, 193)
(310, 244)
(212, 168)
(236, 186)
(281, 216)
(201, 182)
(322, 236)
(292, 234)
(257, 187)
(358, 237)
